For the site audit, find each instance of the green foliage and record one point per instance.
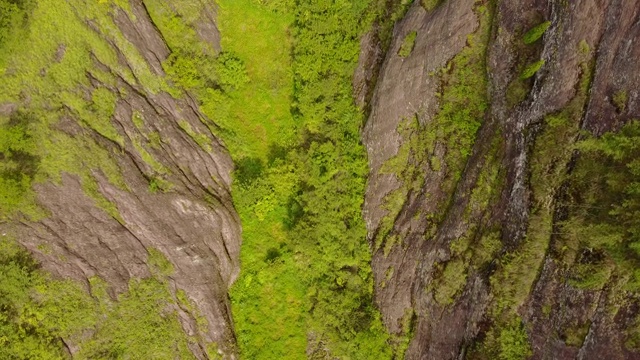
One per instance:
(248, 169)
(158, 263)
(606, 223)
(584, 48)
(518, 270)
(620, 99)
(487, 248)
(590, 274)
(46, 56)
(575, 334)
(142, 324)
(513, 342)
(332, 172)
(412, 156)
(464, 98)
(103, 104)
(632, 334)
(36, 312)
(137, 119)
(230, 71)
(306, 281)
(536, 32)
(429, 5)
(517, 92)
(201, 139)
(462, 107)
(407, 44)
(156, 166)
(451, 283)
(385, 14)
(18, 161)
(154, 140)
(20, 335)
(159, 184)
(8, 14)
(531, 69)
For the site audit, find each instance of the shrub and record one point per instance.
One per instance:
(230, 71)
(536, 32)
(620, 100)
(513, 342)
(407, 44)
(18, 162)
(429, 5)
(517, 92)
(532, 69)
(248, 169)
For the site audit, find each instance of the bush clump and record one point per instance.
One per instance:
(532, 69)
(514, 343)
(407, 44)
(536, 32)
(429, 5)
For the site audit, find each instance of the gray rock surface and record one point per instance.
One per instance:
(406, 274)
(193, 224)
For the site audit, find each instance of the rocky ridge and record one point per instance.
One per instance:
(174, 197)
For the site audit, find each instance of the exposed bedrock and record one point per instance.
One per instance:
(438, 238)
(175, 196)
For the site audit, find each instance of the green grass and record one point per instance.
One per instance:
(261, 108)
(296, 144)
(268, 299)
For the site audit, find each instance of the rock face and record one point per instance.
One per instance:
(193, 224)
(589, 52)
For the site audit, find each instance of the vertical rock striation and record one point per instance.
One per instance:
(465, 257)
(174, 196)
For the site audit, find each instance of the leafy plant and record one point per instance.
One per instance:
(429, 5)
(536, 32)
(513, 342)
(230, 71)
(407, 44)
(531, 69)
(620, 99)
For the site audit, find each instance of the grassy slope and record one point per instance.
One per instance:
(275, 301)
(267, 299)
(262, 108)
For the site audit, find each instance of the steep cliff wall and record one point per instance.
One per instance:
(471, 137)
(128, 169)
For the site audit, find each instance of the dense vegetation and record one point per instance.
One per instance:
(36, 313)
(306, 281)
(605, 202)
